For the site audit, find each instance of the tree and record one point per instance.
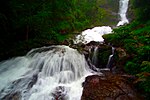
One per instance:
(142, 9)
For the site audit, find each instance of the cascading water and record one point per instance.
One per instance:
(122, 12)
(95, 34)
(48, 73)
(94, 57)
(51, 73)
(110, 59)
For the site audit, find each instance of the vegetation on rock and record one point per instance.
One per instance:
(134, 39)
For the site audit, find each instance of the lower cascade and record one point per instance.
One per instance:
(47, 73)
(55, 72)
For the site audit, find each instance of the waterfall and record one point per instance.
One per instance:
(94, 57)
(123, 7)
(95, 34)
(47, 73)
(55, 72)
(110, 59)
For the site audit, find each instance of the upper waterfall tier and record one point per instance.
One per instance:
(95, 34)
(123, 7)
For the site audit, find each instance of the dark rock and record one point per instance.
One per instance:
(108, 87)
(59, 93)
(121, 58)
(93, 43)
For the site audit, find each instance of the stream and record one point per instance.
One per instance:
(54, 72)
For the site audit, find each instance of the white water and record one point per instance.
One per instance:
(96, 33)
(60, 70)
(52, 71)
(17, 67)
(110, 58)
(94, 57)
(123, 7)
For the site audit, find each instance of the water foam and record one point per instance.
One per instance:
(46, 73)
(94, 34)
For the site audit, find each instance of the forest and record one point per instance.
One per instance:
(27, 24)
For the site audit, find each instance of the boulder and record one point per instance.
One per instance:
(108, 87)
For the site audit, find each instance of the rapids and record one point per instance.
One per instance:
(45, 73)
(55, 72)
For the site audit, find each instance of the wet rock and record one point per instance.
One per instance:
(121, 58)
(121, 52)
(59, 93)
(92, 43)
(14, 96)
(108, 87)
(98, 53)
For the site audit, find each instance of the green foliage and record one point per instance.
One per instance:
(144, 52)
(49, 21)
(142, 9)
(145, 76)
(118, 36)
(134, 38)
(144, 84)
(46, 21)
(132, 67)
(145, 66)
(130, 45)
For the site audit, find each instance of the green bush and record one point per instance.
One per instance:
(134, 38)
(145, 77)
